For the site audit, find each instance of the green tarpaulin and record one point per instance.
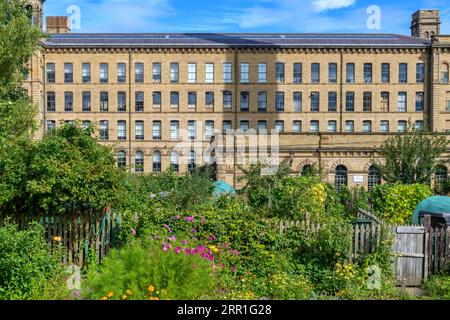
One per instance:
(434, 204)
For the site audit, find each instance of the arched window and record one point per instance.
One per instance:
(374, 177)
(30, 12)
(341, 177)
(191, 161)
(139, 162)
(175, 161)
(440, 178)
(307, 170)
(427, 35)
(156, 161)
(122, 159)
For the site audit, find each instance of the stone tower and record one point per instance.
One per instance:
(426, 24)
(36, 9)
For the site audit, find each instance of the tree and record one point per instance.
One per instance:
(67, 171)
(411, 157)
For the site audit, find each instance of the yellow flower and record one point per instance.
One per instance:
(124, 297)
(57, 239)
(151, 288)
(154, 298)
(104, 298)
(110, 294)
(128, 292)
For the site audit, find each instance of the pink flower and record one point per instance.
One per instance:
(185, 242)
(221, 266)
(178, 218)
(194, 252)
(190, 219)
(201, 248)
(133, 232)
(177, 250)
(188, 251)
(167, 227)
(172, 238)
(193, 230)
(211, 258)
(203, 219)
(212, 238)
(202, 255)
(214, 266)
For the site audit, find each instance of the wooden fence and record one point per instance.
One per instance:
(418, 251)
(86, 235)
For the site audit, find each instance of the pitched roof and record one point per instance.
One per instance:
(233, 40)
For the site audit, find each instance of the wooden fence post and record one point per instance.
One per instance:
(427, 247)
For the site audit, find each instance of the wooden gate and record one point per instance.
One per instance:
(410, 254)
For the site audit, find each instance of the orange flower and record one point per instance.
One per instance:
(154, 298)
(151, 288)
(110, 294)
(57, 239)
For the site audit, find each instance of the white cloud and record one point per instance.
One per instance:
(322, 5)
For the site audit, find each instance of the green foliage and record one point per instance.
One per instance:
(411, 157)
(142, 264)
(67, 170)
(438, 287)
(29, 268)
(395, 203)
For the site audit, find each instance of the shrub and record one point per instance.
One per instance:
(395, 203)
(143, 270)
(438, 287)
(29, 268)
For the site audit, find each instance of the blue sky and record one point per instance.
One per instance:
(243, 15)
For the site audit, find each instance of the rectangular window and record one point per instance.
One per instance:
(418, 125)
(314, 126)
(349, 126)
(297, 102)
(174, 130)
(86, 72)
(245, 73)
(209, 73)
(139, 130)
(296, 126)
(298, 73)
(51, 102)
(209, 99)
(385, 73)
(384, 126)
(315, 101)
(68, 101)
(156, 100)
(279, 72)
(156, 130)
(332, 126)
(367, 73)
(350, 102)
(262, 73)
(332, 73)
(384, 102)
(227, 73)
(262, 125)
(420, 102)
(209, 129)
(156, 72)
(245, 101)
(104, 100)
(402, 102)
(226, 126)
(68, 72)
(139, 101)
(121, 72)
(86, 101)
(192, 130)
(367, 126)
(279, 126)
(174, 72)
(227, 100)
(244, 125)
(420, 72)
(174, 100)
(121, 101)
(104, 130)
(50, 73)
(447, 101)
(262, 101)
(103, 73)
(85, 124)
(403, 73)
(139, 72)
(350, 73)
(315, 73)
(367, 102)
(121, 130)
(279, 100)
(192, 100)
(444, 75)
(332, 101)
(401, 126)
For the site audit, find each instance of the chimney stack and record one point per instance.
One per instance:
(426, 24)
(57, 24)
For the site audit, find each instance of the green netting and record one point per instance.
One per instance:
(434, 204)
